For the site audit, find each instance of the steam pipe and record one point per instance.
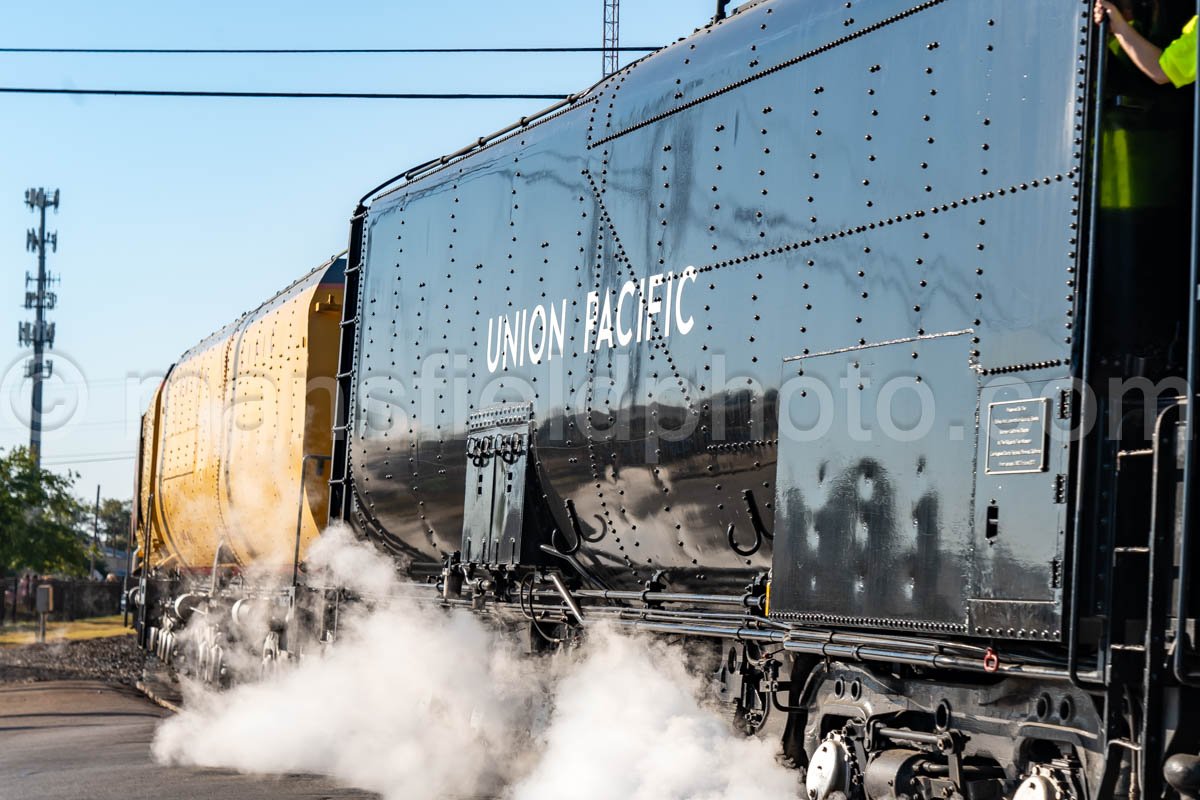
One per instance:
(572, 605)
(853, 652)
(917, 737)
(849, 647)
(742, 601)
(661, 614)
(574, 562)
(1187, 511)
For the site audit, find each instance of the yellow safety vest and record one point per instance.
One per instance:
(1178, 60)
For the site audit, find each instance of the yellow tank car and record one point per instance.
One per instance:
(234, 428)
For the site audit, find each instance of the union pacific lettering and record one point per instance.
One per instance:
(641, 309)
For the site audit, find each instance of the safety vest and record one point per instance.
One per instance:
(1178, 60)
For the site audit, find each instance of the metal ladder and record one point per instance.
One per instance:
(1141, 660)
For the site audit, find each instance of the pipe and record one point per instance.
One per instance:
(572, 605)
(828, 645)
(742, 601)
(853, 652)
(917, 737)
(574, 562)
(1187, 511)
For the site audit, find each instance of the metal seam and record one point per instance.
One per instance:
(769, 71)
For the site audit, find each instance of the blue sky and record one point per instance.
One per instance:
(179, 214)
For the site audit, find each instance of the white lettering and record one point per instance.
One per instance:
(684, 326)
(629, 288)
(493, 361)
(606, 323)
(557, 327)
(653, 304)
(591, 314)
(535, 354)
(623, 316)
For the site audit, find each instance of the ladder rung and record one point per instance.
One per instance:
(1145, 451)
(1129, 648)
(346, 323)
(1131, 549)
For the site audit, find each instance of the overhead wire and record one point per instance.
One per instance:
(65, 461)
(313, 50)
(288, 95)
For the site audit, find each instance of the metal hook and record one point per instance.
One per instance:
(755, 518)
(734, 545)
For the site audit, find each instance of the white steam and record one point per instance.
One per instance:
(627, 725)
(418, 703)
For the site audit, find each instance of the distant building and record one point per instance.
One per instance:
(115, 562)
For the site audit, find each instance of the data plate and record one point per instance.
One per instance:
(1017, 436)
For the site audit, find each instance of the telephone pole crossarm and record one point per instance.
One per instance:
(38, 334)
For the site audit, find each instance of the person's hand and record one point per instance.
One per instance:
(1104, 8)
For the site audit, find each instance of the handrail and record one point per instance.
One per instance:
(479, 143)
(1086, 401)
(1187, 506)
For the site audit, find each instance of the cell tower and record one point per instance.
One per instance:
(39, 334)
(612, 38)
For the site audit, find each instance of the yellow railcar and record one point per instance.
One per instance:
(236, 440)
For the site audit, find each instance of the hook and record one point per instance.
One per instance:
(733, 542)
(755, 518)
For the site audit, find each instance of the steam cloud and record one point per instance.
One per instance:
(418, 703)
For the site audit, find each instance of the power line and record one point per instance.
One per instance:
(287, 95)
(66, 461)
(312, 51)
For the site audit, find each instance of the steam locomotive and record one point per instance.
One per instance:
(853, 342)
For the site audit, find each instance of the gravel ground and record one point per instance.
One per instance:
(113, 660)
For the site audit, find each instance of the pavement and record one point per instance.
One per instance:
(89, 740)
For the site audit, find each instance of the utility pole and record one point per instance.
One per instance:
(612, 37)
(39, 333)
(95, 534)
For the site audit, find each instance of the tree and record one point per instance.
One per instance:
(114, 522)
(39, 518)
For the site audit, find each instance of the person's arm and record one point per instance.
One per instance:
(1141, 52)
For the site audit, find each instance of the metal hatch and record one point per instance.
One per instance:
(498, 445)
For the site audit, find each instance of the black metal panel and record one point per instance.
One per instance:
(877, 453)
(1020, 514)
(802, 178)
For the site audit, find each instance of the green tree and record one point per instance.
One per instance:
(39, 518)
(114, 522)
